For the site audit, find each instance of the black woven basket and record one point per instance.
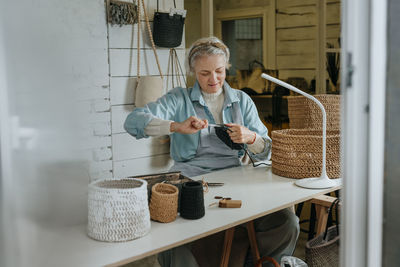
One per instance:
(192, 200)
(167, 30)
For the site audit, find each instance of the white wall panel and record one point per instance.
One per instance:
(94, 93)
(101, 105)
(101, 154)
(123, 62)
(122, 89)
(96, 142)
(126, 146)
(87, 75)
(155, 164)
(119, 114)
(100, 166)
(126, 36)
(100, 117)
(101, 175)
(101, 128)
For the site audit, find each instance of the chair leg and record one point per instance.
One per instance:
(322, 204)
(311, 226)
(299, 209)
(226, 251)
(253, 241)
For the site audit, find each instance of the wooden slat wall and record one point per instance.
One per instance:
(131, 156)
(296, 36)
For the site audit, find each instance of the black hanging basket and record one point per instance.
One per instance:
(168, 30)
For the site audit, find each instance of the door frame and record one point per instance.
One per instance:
(267, 13)
(363, 129)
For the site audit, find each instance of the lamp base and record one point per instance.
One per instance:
(318, 183)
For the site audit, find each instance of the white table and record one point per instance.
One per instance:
(261, 193)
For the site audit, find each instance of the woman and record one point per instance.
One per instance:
(188, 115)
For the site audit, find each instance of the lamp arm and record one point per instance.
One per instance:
(291, 87)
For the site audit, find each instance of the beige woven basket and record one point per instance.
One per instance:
(304, 113)
(297, 153)
(118, 210)
(164, 202)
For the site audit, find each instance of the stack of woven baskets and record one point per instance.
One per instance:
(297, 152)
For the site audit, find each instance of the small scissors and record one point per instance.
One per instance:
(211, 184)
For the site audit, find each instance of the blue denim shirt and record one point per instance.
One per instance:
(177, 105)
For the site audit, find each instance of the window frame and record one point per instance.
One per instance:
(268, 23)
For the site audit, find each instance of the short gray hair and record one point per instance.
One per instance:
(206, 47)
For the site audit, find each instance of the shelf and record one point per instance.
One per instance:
(332, 50)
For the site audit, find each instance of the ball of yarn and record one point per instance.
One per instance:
(164, 202)
(192, 200)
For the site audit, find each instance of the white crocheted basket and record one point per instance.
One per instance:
(118, 210)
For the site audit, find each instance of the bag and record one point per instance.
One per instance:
(323, 250)
(175, 71)
(289, 261)
(168, 27)
(148, 88)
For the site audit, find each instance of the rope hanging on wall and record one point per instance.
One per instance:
(175, 70)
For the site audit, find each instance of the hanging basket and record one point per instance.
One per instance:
(118, 210)
(168, 28)
(297, 153)
(304, 113)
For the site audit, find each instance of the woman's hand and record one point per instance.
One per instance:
(189, 126)
(240, 134)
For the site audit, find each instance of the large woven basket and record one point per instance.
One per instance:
(297, 153)
(118, 210)
(304, 113)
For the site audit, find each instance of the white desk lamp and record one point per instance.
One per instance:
(316, 182)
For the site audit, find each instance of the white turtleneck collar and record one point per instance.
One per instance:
(211, 96)
(215, 102)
